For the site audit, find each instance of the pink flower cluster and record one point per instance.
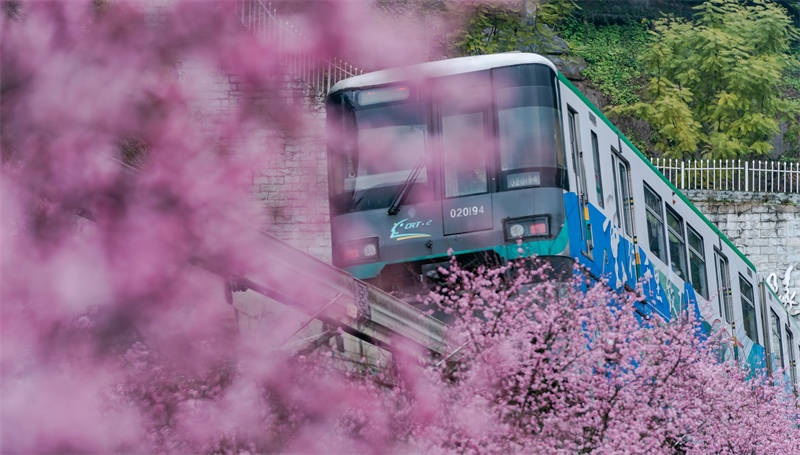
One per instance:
(568, 367)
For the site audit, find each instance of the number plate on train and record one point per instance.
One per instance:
(467, 214)
(460, 212)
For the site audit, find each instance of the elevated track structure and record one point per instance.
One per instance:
(334, 297)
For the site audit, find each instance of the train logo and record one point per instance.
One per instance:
(400, 229)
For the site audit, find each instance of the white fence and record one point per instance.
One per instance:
(732, 175)
(261, 18)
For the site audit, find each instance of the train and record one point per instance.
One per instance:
(493, 158)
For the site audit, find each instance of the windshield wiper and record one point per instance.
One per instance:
(394, 207)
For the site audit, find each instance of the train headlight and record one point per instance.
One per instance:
(370, 250)
(362, 250)
(526, 227)
(516, 230)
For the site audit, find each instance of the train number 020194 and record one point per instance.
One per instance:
(461, 212)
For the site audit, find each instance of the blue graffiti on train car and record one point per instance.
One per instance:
(611, 257)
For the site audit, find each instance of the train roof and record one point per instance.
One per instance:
(439, 68)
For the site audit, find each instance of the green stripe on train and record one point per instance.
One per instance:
(539, 247)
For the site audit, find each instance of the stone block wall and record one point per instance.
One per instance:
(765, 227)
(292, 185)
(291, 180)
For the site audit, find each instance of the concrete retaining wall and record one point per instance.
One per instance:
(765, 227)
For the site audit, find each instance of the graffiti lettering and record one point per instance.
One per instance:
(787, 294)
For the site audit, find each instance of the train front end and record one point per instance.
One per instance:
(462, 156)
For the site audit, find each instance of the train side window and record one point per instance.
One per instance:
(697, 262)
(598, 177)
(723, 286)
(677, 248)
(655, 223)
(748, 309)
(622, 192)
(775, 339)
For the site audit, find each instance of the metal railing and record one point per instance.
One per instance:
(732, 175)
(319, 75)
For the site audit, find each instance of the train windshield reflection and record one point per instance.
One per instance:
(484, 131)
(391, 142)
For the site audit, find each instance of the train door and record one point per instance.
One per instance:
(466, 149)
(770, 326)
(775, 341)
(792, 362)
(579, 170)
(723, 286)
(622, 191)
(626, 249)
(577, 154)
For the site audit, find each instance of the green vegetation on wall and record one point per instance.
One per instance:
(612, 54)
(493, 28)
(792, 78)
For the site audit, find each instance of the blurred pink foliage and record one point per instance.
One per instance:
(126, 181)
(126, 203)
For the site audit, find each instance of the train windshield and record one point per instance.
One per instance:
(379, 146)
(528, 126)
(473, 133)
(391, 143)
